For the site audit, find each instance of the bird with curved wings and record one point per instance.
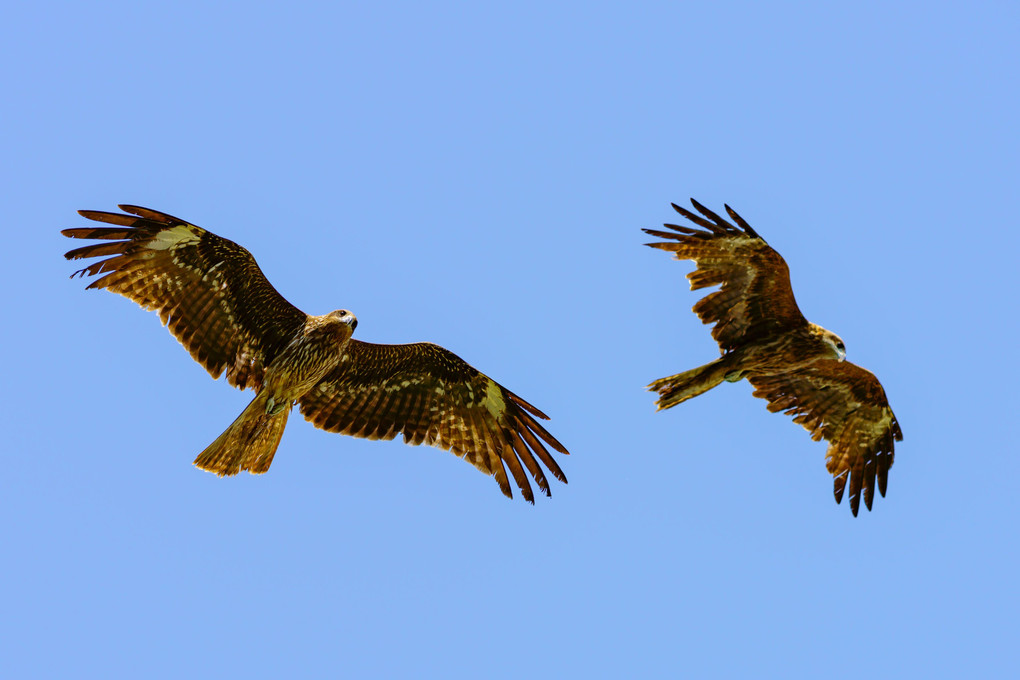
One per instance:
(216, 301)
(798, 367)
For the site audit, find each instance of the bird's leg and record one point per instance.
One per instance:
(735, 360)
(273, 406)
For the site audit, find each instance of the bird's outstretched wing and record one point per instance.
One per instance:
(755, 299)
(207, 290)
(431, 396)
(845, 405)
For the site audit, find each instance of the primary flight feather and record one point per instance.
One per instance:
(216, 301)
(797, 366)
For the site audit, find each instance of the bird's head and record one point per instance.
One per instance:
(343, 316)
(833, 341)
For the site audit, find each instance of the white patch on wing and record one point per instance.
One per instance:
(494, 400)
(169, 238)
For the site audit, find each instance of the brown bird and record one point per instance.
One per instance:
(799, 367)
(216, 301)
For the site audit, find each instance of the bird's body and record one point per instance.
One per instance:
(783, 352)
(216, 301)
(798, 366)
(251, 441)
(309, 357)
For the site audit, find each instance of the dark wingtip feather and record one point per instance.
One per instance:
(897, 432)
(683, 232)
(705, 211)
(663, 245)
(526, 406)
(533, 434)
(741, 222)
(838, 486)
(543, 433)
(870, 470)
(713, 227)
(504, 483)
(724, 226)
(520, 445)
(90, 251)
(149, 214)
(109, 217)
(521, 454)
(662, 234)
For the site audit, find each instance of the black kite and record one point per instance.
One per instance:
(799, 367)
(215, 300)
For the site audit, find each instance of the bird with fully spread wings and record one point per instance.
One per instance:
(216, 301)
(797, 366)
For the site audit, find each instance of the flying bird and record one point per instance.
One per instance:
(215, 300)
(797, 366)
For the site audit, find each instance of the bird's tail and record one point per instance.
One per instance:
(678, 388)
(249, 443)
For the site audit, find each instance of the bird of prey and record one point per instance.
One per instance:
(797, 366)
(216, 301)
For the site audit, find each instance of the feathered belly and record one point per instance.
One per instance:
(301, 365)
(782, 353)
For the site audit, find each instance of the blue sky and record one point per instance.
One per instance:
(478, 177)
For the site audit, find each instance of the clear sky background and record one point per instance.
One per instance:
(478, 177)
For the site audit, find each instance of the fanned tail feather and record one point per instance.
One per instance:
(678, 388)
(249, 443)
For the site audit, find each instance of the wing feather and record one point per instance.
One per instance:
(755, 298)
(484, 457)
(513, 461)
(429, 395)
(526, 456)
(207, 290)
(845, 405)
(528, 431)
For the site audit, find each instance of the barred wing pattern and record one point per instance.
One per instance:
(208, 290)
(431, 396)
(755, 298)
(845, 405)
(214, 299)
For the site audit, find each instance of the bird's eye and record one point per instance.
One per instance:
(839, 345)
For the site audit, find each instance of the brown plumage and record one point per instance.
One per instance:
(797, 366)
(216, 301)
